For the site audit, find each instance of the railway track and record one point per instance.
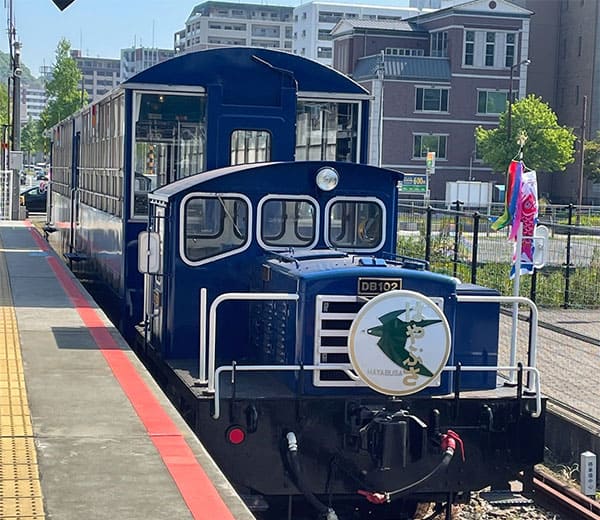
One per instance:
(556, 495)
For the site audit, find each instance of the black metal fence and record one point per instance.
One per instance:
(462, 244)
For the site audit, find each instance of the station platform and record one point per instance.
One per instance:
(85, 432)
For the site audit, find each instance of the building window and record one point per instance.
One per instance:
(324, 52)
(398, 51)
(469, 47)
(439, 44)
(577, 94)
(423, 143)
(490, 46)
(491, 102)
(324, 34)
(509, 57)
(579, 43)
(431, 99)
(563, 54)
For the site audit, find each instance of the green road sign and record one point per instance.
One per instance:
(413, 183)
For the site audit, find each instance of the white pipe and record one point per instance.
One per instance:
(202, 356)
(515, 300)
(212, 331)
(515, 309)
(281, 368)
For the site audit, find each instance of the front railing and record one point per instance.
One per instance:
(209, 373)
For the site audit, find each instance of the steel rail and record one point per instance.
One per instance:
(564, 497)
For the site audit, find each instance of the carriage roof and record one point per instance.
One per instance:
(236, 65)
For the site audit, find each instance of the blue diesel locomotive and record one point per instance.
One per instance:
(221, 201)
(311, 359)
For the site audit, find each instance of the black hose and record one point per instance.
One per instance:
(294, 463)
(443, 464)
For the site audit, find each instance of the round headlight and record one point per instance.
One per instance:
(327, 178)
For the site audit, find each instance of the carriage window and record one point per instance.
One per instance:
(326, 131)
(288, 223)
(214, 226)
(169, 142)
(355, 224)
(250, 146)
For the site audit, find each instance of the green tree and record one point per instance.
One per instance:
(64, 94)
(549, 146)
(32, 138)
(591, 159)
(3, 104)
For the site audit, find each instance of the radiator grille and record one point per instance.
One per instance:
(333, 318)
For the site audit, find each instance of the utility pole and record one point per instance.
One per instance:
(14, 163)
(510, 95)
(581, 157)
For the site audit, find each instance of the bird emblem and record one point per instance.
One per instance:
(393, 334)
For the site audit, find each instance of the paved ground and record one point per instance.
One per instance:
(568, 355)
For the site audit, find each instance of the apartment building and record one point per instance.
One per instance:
(100, 75)
(218, 24)
(34, 101)
(435, 78)
(137, 59)
(313, 22)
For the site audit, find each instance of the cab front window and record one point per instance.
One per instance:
(356, 224)
(288, 222)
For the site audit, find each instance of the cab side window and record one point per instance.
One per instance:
(214, 226)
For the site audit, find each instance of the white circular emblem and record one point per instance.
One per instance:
(399, 342)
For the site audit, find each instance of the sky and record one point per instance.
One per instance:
(101, 28)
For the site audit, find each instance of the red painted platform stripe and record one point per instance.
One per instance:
(194, 485)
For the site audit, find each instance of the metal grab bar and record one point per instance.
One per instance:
(532, 354)
(212, 332)
(281, 368)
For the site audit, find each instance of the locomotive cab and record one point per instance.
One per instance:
(274, 295)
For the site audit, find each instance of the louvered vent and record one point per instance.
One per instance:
(334, 316)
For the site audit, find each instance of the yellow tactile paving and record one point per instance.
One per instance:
(20, 489)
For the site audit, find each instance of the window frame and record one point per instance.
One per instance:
(286, 197)
(137, 95)
(182, 222)
(437, 150)
(490, 91)
(306, 146)
(342, 198)
(439, 44)
(469, 49)
(250, 133)
(423, 90)
(489, 55)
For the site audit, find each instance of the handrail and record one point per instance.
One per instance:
(214, 373)
(532, 354)
(212, 333)
(282, 368)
